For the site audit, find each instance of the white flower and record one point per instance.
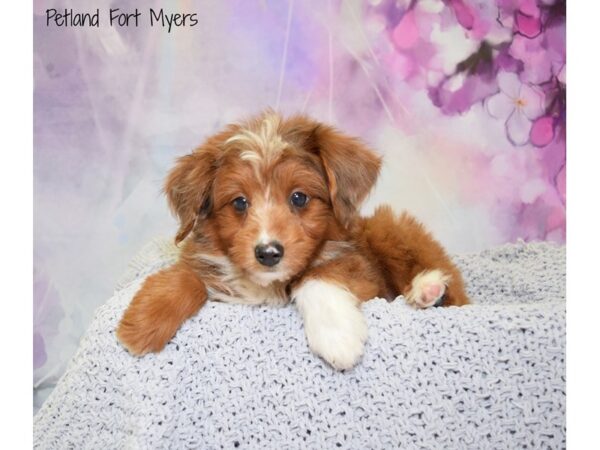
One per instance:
(518, 104)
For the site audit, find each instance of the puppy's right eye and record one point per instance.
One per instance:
(299, 199)
(240, 204)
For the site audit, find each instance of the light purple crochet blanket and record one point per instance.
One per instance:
(489, 375)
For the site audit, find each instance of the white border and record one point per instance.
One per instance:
(16, 241)
(583, 224)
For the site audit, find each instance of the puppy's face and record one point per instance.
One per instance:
(269, 190)
(270, 211)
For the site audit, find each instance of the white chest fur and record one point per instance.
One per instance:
(245, 292)
(233, 286)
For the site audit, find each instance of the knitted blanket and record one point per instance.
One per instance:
(488, 375)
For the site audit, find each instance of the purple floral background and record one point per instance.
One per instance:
(464, 98)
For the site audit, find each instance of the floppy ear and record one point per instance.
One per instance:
(188, 187)
(352, 169)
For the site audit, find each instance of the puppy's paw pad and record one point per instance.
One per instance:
(433, 291)
(428, 289)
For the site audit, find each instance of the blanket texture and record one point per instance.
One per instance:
(488, 375)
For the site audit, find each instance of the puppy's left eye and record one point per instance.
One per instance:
(299, 199)
(240, 204)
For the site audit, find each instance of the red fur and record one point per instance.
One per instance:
(326, 239)
(164, 302)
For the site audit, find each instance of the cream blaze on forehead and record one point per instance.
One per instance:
(264, 210)
(262, 141)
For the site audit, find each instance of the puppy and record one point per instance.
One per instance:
(268, 213)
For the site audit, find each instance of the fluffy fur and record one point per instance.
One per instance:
(249, 237)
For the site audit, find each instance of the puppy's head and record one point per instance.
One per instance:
(269, 189)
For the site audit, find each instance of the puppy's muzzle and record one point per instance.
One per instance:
(269, 254)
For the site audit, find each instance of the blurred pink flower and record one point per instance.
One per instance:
(529, 7)
(529, 26)
(561, 183)
(543, 56)
(540, 41)
(411, 38)
(518, 104)
(406, 33)
(456, 94)
(478, 17)
(511, 7)
(465, 15)
(542, 131)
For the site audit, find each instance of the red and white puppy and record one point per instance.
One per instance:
(268, 213)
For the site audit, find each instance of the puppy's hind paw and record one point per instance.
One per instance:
(427, 289)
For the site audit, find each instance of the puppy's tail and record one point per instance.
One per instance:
(410, 258)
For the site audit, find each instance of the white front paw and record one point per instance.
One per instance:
(334, 324)
(340, 343)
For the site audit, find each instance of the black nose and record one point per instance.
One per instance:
(269, 254)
